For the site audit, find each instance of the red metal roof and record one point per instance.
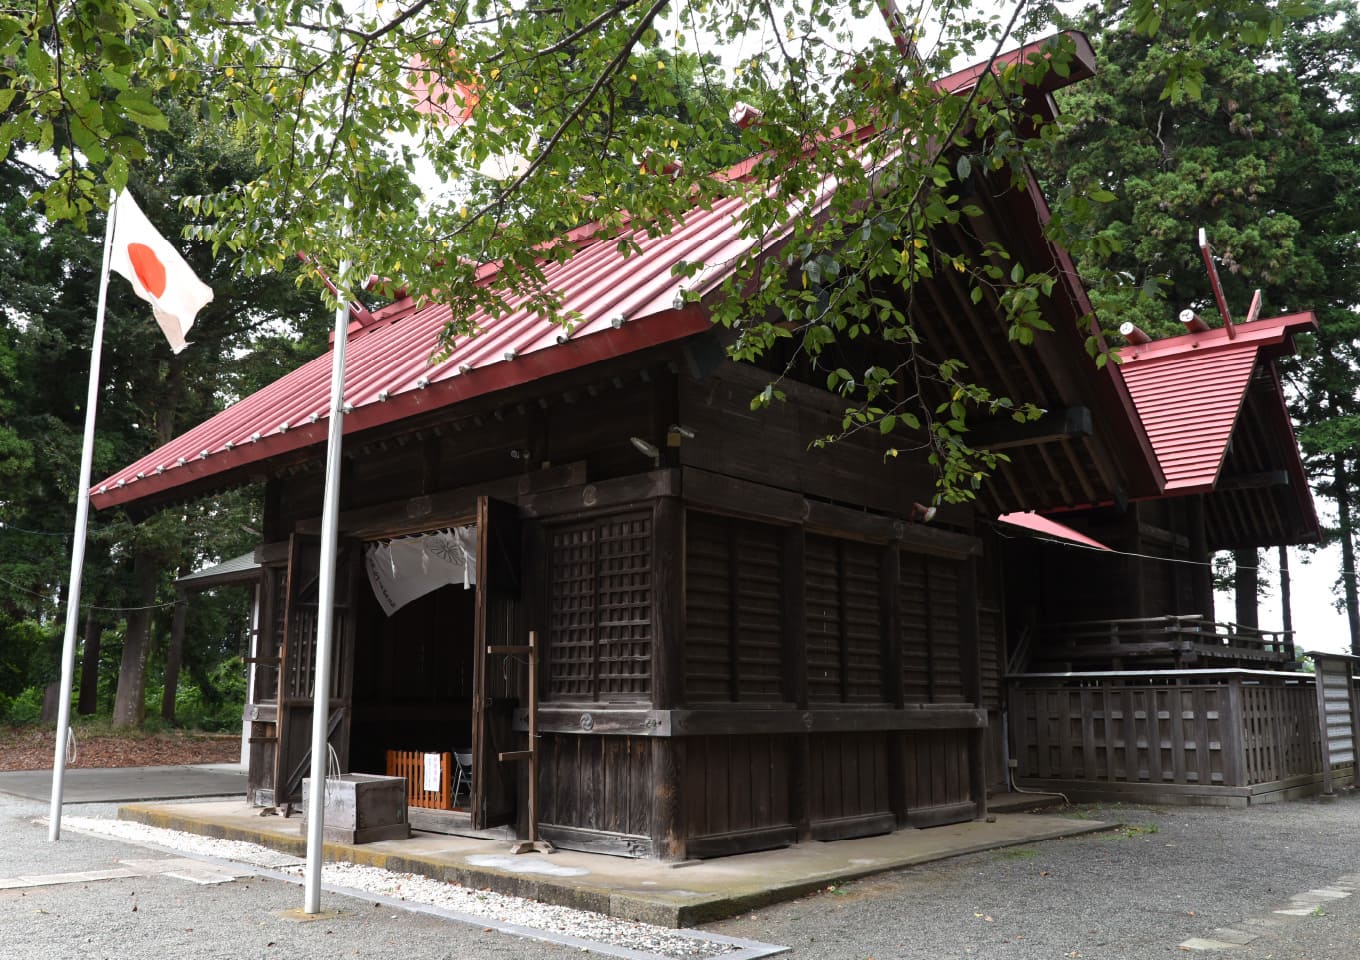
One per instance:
(1050, 528)
(626, 304)
(1188, 391)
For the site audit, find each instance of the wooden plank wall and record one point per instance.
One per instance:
(849, 624)
(848, 785)
(938, 786)
(737, 793)
(596, 791)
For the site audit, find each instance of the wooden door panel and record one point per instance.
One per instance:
(497, 678)
(297, 665)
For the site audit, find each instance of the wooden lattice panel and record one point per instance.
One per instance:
(600, 629)
(822, 604)
(863, 632)
(624, 565)
(733, 610)
(945, 635)
(913, 613)
(760, 610)
(572, 612)
(928, 612)
(708, 609)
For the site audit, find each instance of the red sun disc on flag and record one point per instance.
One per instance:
(150, 270)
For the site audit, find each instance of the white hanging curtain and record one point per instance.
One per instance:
(407, 568)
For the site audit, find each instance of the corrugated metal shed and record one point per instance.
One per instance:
(1189, 390)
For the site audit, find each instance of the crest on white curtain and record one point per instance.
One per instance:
(407, 568)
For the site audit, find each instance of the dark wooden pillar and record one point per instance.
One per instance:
(796, 679)
(970, 666)
(1137, 580)
(1202, 571)
(890, 568)
(1245, 581)
(668, 675)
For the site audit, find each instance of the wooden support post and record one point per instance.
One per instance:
(970, 664)
(890, 565)
(796, 679)
(533, 843)
(668, 675)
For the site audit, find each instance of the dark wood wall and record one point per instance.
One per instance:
(745, 641)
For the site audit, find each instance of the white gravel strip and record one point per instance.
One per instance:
(625, 937)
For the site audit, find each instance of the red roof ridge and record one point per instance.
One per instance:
(1257, 333)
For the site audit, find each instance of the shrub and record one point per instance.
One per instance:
(26, 708)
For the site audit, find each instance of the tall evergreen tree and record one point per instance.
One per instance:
(256, 328)
(1267, 161)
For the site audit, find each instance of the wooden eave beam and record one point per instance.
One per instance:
(1254, 481)
(1071, 423)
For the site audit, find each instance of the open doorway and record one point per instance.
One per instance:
(427, 696)
(414, 660)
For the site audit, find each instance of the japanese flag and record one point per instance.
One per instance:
(157, 272)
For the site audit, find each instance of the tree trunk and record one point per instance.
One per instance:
(1245, 582)
(51, 701)
(1286, 604)
(89, 667)
(1345, 532)
(173, 654)
(129, 704)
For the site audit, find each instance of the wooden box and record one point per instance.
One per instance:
(361, 808)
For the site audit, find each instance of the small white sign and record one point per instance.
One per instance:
(433, 773)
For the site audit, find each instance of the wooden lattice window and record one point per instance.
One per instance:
(928, 610)
(845, 649)
(734, 611)
(600, 607)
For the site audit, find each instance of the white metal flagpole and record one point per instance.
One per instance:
(330, 528)
(68, 646)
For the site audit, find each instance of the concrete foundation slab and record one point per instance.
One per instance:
(633, 889)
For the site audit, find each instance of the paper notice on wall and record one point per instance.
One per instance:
(434, 773)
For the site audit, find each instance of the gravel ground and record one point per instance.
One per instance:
(485, 904)
(1173, 873)
(165, 916)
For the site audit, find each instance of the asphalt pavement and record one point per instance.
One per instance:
(129, 784)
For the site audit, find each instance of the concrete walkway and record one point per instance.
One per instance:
(124, 784)
(674, 895)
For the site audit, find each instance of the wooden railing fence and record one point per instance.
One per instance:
(1180, 730)
(1172, 641)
